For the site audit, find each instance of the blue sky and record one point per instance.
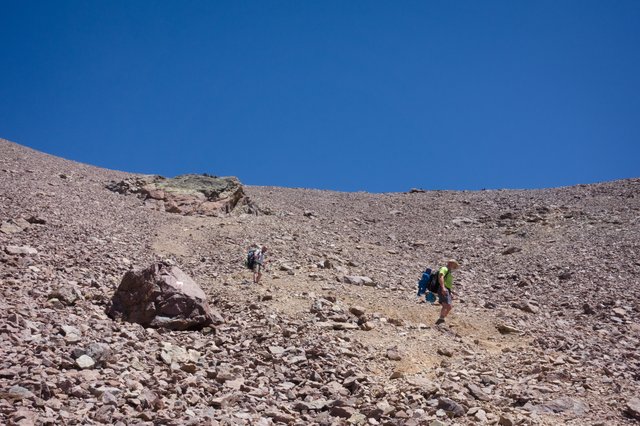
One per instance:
(374, 96)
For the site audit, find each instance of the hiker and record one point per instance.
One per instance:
(445, 289)
(258, 264)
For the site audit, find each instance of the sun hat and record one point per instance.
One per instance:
(453, 262)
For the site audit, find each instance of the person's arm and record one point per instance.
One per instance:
(441, 281)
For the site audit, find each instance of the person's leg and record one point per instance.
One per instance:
(258, 273)
(445, 310)
(449, 303)
(445, 301)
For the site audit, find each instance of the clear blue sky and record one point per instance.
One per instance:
(346, 95)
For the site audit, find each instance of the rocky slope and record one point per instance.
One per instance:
(545, 327)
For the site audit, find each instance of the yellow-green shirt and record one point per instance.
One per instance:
(448, 278)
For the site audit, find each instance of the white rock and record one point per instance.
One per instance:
(84, 362)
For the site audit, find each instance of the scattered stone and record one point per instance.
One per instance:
(505, 421)
(10, 228)
(528, 307)
(444, 352)
(452, 407)
(68, 295)
(17, 393)
(393, 354)
(633, 408)
(170, 354)
(100, 353)
(507, 329)
(20, 250)
(24, 417)
(367, 326)
(568, 405)
(511, 250)
(357, 310)
(477, 392)
(358, 280)
(396, 375)
(84, 362)
(565, 275)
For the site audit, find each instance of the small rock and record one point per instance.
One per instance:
(20, 250)
(393, 354)
(366, 326)
(17, 393)
(99, 352)
(633, 408)
(396, 375)
(84, 362)
(276, 350)
(189, 368)
(507, 329)
(511, 250)
(10, 228)
(357, 310)
(505, 421)
(450, 406)
(358, 280)
(68, 295)
(564, 405)
(565, 275)
(477, 392)
(528, 307)
(24, 417)
(481, 415)
(619, 312)
(444, 352)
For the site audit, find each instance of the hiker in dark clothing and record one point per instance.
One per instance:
(445, 289)
(258, 264)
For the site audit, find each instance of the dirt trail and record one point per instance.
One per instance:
(467, 332)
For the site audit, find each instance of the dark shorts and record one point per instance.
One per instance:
(257, 268)
(445, 298)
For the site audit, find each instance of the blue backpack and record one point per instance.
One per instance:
(428, 282)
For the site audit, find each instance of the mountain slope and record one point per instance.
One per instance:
(557, 267)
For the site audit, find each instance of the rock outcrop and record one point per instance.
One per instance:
(188, 194)
(162, 296)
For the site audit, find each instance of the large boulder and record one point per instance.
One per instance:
(162, 296)
(188, 194)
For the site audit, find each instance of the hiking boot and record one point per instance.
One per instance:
(440, 321)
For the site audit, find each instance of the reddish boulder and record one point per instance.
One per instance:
(162, 296)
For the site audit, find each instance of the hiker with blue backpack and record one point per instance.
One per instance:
(439, 282)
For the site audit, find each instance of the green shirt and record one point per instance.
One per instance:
(448, 278)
